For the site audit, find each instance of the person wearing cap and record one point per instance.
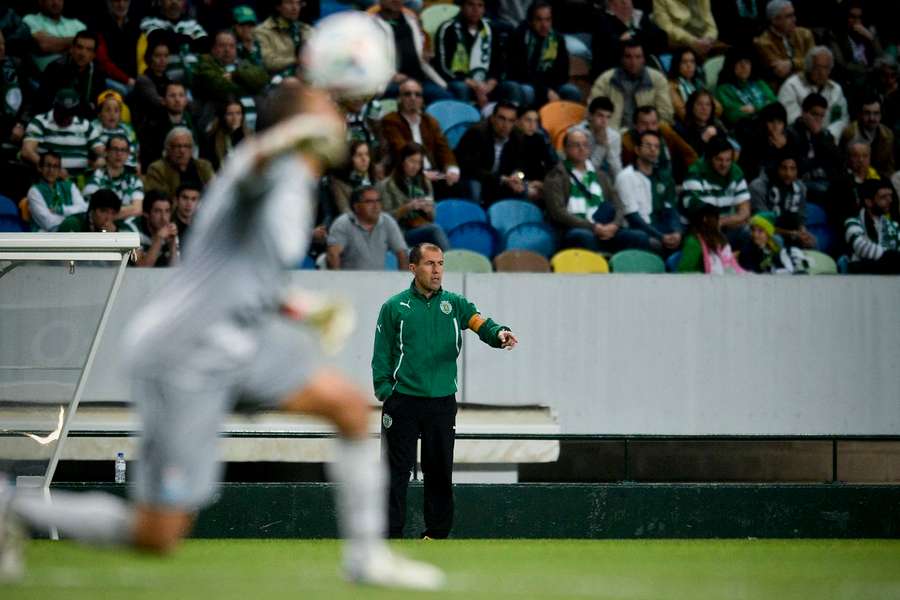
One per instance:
(248, 48)
(762, 252)
(100, 216)
(61, 130)
(77, 70)
(281, 36)
(52, 199)
(110, 122)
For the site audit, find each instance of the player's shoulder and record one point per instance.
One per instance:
(401, 296)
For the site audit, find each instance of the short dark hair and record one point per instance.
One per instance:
(188, 185)
(152, 197)
(44, 156)
(773, 112)
(171, 83)
(644, 110)
(869, 98)
(85, 34)
(104, 198)
(656, 134)
(631, 43)
(717, 145)
(814, 100)
(601, 103)
(415, 253)
(505, 104)
(534, 7)
(870, 187)
(118, 136)
(357, 194)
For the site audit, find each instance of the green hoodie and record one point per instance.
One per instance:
(418, 339)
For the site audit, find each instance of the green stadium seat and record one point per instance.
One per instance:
(820, 263)
(466, 261)
(636, 261)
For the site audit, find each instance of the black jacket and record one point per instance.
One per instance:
(475, 154)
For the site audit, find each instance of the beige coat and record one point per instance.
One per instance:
(653, 91)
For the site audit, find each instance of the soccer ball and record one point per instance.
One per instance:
(349, 54)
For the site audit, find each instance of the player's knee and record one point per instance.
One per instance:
(160, 533)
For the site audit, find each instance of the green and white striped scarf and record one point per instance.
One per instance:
(474, 64)
(585, 193)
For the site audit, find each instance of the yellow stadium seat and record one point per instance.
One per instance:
(576, 260)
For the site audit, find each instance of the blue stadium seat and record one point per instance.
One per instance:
(455, 133)
(476, 236)
(452, 213)
(10, 221)
(506, 214)
(817, 224)
(390, 261)
(537, 237)
(672, 262)
(815, 215)
(452, 112)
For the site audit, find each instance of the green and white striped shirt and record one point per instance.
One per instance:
(72, 143)
(865, 248)
(127, 186)
(181, 60)
(704, 184)
(125, 130)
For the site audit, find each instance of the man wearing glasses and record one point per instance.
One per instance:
(178, 166)
(360, 240)
(52, 198)
(114, 176)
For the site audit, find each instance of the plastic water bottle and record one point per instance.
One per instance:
(120, 467)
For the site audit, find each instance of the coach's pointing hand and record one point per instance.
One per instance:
(507, 339)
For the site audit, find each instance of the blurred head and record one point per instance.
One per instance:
(65, 106)
(173, 10)
(49, 167)
(621, 8)
(187, 198)
(175, 99)
(110, 112)
(870, 113)
(231, 115)
(815, 108)
(540, 18)
(288, 9)
(412, 160)
(781, 16)
(503, 119)
(646, 119)
(577, 145)
(157, 57)
(877, 195)
(859, 157)
(774, 117)
(819, 63)
(684, 64)
(700, 106)
(179, 147)
(359, 156)
(365, 201)
(761, 231)
(411, 99)
(83, 49)
(648, 147)
(528, 122)
(117, 152)
(600, 109)
(426, 262)
(472, 11)
(157, 210)
(786, 171)
(103, 208)
(633, 58)
(720, 154)
(224, 49)
(854, 15)
(51, 8)
(118, 8)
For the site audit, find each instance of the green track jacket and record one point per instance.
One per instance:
(417, 342)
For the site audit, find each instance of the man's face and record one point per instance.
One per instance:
(117, 152)
(429, 271)
(289, 9)
(502, 121)
(472, 11)
(814, 119)
(173, 9)
(225, 49)
(633, 60)
(110, 113)
(186, 205)
(179, 150)
(51, 8)
(102, 218)
(244, 31)
(175, 99)
(528, 122)
(160, 215)
(871, 116)
(600, 119)
(159, 60)
(859, 157)
(542, 22)
(577, 148)
(119, 8)
(648, 150)
(49, 167)
(787, 171)
(622, 8)
(368, 208)
(786, 21)
(820, 70)
(411, 97)
(721, 162)
(882, 201)
(83, 51)
(647, 121)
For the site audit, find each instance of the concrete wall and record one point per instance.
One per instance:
(628, 354)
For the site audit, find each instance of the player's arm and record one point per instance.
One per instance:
(491, 333)
(383, 354)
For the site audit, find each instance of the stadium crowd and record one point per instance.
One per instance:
(726, 136)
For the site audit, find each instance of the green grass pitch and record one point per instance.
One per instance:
(613, 569)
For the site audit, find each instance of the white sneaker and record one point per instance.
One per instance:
(385, 568)
(12, 534)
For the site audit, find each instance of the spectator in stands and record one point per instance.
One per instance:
(220, 73)
(153, 135)
(110, 123)
(409, 123)
(281, 36)
(100, 215)
(739, 21)
(741, 93)
(844, 198)
(685, 78)
(706, 249)
(52, 198)
(780, 193)
(407, 196)
(185, 37)
(159, 235)
(817, 78)
(762, 253)
(540, 63)
(783, 46)
(688, 23)
(676, 155)
(493, 161)
(701, 124)
(51, 31)
(607, 142)
(540, 155)
(619, 23)
(184, 209)
(148, 98)
(717, 180)
(886, 77)
(649, 198)
(363, 117)
(468, 54)
(12, 105)
(360, 240)
(340, 183)
(412, 50)
(855, 46)
(76, 70)
(248, 48)
(64, 132)
(114, 176)
(767, 137)
(177, 166)
(632, 85)
(16, 33)
(117, 39)
(225, 132)
(582, 203)
(868, 127)
(817, 152)
(874, 239)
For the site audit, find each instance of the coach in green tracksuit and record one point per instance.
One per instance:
(417, 342)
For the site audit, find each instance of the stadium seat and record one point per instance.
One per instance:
(388, 105)
(10, 221)
(24, 211)
(451, 213)
(577, 260)
(815, 215)
(558, 116)
(672, 262)
(390, 261)
(817, 224)
(452, 112)
(820, 263)
(466, 261)
(537, 237)
(435, 15)
(843, 264)
(476, 236)
(711, 68)
(506, 214)
(455, 133)
(521, 261)
(636, 261)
